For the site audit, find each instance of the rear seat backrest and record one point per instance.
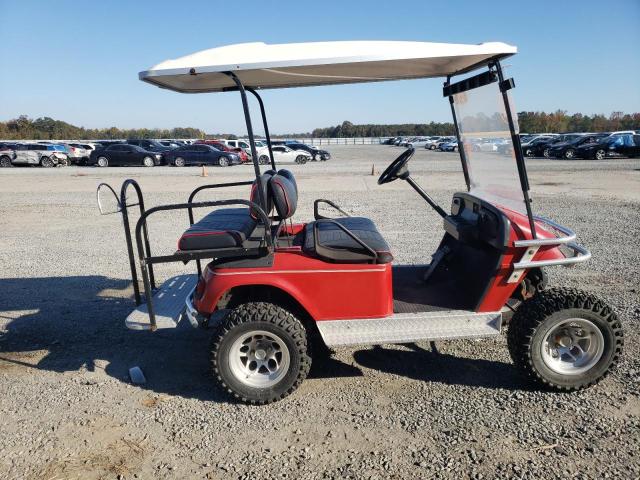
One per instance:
(289, 176)
(263, 181)
(284, 194)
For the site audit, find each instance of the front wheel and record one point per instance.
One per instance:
(179, 162)
(600, 154)
(103, 162)
(223, 161)
(260, 353)
(570, 154)
(546, 152)
(148, 162)
(565, 339)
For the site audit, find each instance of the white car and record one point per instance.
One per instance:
(432, 143)
(39, 154)
(420, 142)
(282, 153)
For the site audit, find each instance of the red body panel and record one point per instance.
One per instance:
(499, 291)
(355, 290)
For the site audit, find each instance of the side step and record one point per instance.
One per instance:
(410, 327)
(168, 304)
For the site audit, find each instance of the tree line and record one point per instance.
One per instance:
(530, 122)
(45, 128)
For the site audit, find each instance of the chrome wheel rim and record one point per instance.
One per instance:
(179, 162)
(223, 162)
(259, 359)
(148, 162)
(572, 347)
(102, 162)
(600, 154)
(569, 154)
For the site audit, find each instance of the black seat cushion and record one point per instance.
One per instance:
(337, 246)
(263, 182)
(223, 228)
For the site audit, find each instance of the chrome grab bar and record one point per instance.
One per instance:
(581, 254)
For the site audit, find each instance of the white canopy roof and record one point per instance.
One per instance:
(260, 65)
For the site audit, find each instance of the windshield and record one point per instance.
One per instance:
(493, 172)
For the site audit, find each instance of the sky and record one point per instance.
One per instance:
(78, 61)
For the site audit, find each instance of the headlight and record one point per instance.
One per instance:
(158, 156)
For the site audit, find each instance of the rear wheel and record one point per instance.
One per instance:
(103, 162)
(5, 162)
(565, 339)
(148, 162)
(179, 162)
(455, 149)
(600, 154)
(546, 152)
(529, 152)
(223, 161)
(432, 147)
(301, 159)
(260, 353)
(570, 154)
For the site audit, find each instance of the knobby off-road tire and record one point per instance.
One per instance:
(540, 321)
(243, 329)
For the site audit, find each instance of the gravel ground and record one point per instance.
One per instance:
(449, 410)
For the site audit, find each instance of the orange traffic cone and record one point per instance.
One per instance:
(204, 172)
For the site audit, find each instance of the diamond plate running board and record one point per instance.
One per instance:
(410, 327)
(168, 304)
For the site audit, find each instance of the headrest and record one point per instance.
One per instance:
(284, 194)
(289, 176)
(263, 181)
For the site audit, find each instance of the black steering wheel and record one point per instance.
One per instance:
(397, 169)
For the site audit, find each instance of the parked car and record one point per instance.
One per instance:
(488, 144)
(539, 147)
(569, 148)
(122, 154)
(261, 147)
(220, 145)
(418, 142)
(432, 143)
(38, 154)
(282, 153)
(448, 141)
(201, 154)
(451, 146)
(149, 145)
(615, 144)
(7, 154)
(83, 151)
(315, 152)
(169, 143)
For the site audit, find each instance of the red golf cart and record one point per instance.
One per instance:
(273, 289)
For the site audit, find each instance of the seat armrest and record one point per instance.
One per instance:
(316, 205)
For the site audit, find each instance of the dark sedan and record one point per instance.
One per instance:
(316, 153)
(569, 149)
(201, 154)
(627, 145)
(121, 154)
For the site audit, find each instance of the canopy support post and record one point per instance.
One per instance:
(463, 155)
(264, 123)
(505, 86)
(252, 140)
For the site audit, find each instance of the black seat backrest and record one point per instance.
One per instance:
(289, 176)
(284, 194)
(263, 182)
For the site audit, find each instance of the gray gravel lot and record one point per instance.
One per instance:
(459, 410)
